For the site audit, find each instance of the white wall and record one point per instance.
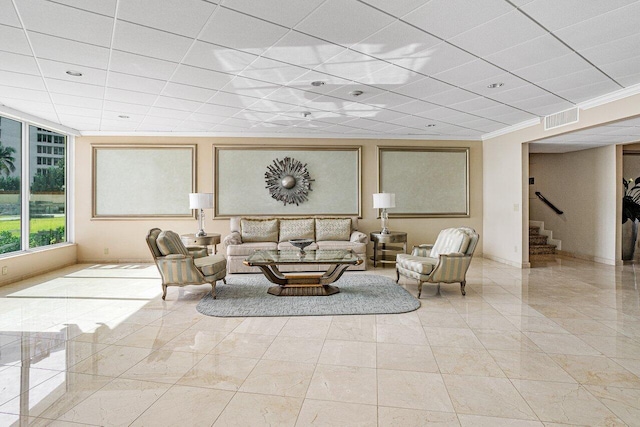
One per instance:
(36, 261)
(503, 199)
(583, 185)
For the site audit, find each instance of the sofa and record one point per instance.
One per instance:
(251, 234)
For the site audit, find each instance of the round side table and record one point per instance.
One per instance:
(211, 239)
(384, 248)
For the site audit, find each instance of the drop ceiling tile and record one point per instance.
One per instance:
(529, 53)
(186, 17)
(619, 23)
(355, 109)
(396, 41)
(415, 107)
(292, 96)
(542, 105)
(413, 121)
(272, 71)
(590, 76)
(504, 113)
(80, 122)
(129, 63)
(470, 73)
(344, 92)
(436, 60)
(129, 96)
(163, 123)
(555, 15)
(63, 50)
(509, 82)
(75, 88)
(26, 81)
(423, 87)
(168, 113)
(448, 18)
(567, 64)
(124, 107)
(396, 8)
(23, 94)
(217, 58)
(351, 65)
(334, 21)
(303, 50)
(254, 116)
(269, 106)
(135, 83)
(250, 87)
(177, 104)
(607, 53)
(67, 22)
(149, 42)
(8, 14)
(103, 7)
(231, 100)
(117, 126)
(193, 93)
(57, 70)
(18, 63)
(451, 96)
(193, 126)
(13, 40)
(60, 99)
(476, 104)
(217, 110)
(283, 12)
(78, 111)
(517, 94)
(388, 115)
(388, 100)
(490, 37)
(229, 29)
(41, 109)
(390, 77)
(200, 77)
(630, 80)
(623, 68)
(210, 118)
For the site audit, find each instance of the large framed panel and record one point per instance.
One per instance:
(143, 180)
(427, 181)
(241, 188)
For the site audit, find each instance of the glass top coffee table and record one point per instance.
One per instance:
(303, 283)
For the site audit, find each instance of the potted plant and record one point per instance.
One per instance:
(630, 216)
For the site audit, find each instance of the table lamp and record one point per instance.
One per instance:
(200, 201)
(384, 201)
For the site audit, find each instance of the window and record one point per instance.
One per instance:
(10, 185)
(48, 198)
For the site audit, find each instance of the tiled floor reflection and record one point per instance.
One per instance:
(549, 346)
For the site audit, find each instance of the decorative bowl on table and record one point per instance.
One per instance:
(301, 244)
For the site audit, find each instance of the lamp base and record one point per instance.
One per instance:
(201, 233)
(385, 231)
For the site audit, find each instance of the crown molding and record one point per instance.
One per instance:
(427, 137)
(610, 97)
(14, 114)
(513, 128)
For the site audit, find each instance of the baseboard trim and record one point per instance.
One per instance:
(589, 258)
(507, 262)
(34, 274)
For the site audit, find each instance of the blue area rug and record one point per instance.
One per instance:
(246, 296)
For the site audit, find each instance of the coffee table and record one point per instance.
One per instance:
(303, 283)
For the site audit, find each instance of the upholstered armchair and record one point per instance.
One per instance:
(445, 261)
(181, 266)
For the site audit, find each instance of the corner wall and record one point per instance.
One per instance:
(124, 239)
(583, 185)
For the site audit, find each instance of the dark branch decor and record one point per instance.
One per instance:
(288, 181)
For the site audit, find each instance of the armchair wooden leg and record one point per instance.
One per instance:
(438, 288)
(164, 291)
(213, 290)
(224, 280)
(462, 285)
(397, 276)
(419, 289)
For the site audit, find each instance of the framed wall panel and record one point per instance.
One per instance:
(427, 181)
(241, 189)
(143, 180)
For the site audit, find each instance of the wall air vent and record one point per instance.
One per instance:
(562, 118)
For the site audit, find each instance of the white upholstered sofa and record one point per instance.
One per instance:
(251, 234)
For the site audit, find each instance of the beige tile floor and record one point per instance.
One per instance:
(548, 346)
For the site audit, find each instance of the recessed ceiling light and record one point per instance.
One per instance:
(430, 125)
(122, 116)
(495, 85)
(356, 93)
(306, 114)
(74, 73)
(317, 83)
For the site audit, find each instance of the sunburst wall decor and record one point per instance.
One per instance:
(288, 181)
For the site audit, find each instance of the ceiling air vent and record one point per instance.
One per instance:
(560, 119)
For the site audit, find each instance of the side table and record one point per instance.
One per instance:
(211, 239)
(382, 253)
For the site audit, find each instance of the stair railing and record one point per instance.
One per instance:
(548, 203)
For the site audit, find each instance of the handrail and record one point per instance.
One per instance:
(548, 203)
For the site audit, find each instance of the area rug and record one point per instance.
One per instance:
(246, 296)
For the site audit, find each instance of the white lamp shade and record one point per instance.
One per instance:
(384, 200)
(200, 200)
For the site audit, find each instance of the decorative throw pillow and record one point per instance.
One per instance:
(333, 229)
(259, 230)
(299, 228)
(169, 243)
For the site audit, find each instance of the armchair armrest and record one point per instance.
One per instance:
(173, 257)
(422, 250)
(197, 251)
(358, 237)
(451, 268)
(232, 239)
(178, 269)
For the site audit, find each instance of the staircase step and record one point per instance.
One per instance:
(541, 249)
(537, 239)
(534, 231)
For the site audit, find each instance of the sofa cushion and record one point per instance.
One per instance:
(359, 248)
(259, 230)
(247, 249)
(449, 241)
(299, 228)
(286, 246)
(333, 229)
(169, 243)
(212, 264)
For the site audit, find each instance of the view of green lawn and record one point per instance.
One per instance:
(37, 224)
